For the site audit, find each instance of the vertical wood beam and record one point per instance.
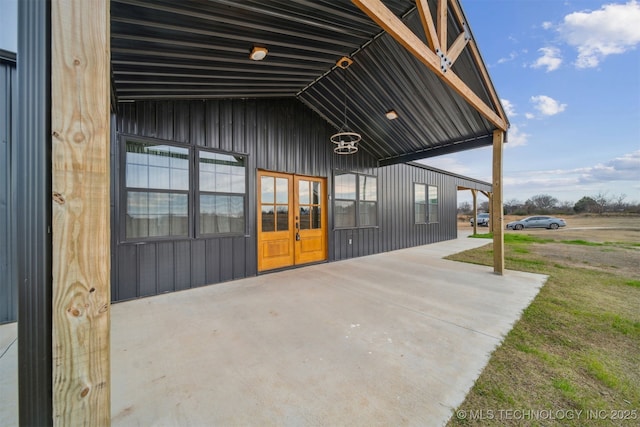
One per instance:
(428, 25)
(80, 93)
(496, 203)
(474, 193)
(442, 24)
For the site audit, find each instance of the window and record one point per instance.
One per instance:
(222, 193)
(425, 199)
(355, 200)
(157, 190)
(161, 189)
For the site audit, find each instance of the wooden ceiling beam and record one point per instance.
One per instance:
(428, 24)
(457, 47)
(475, 54)
(442, 24)
(388, 21)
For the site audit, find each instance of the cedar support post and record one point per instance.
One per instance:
(496, 204)
(474, 193)
(80, 125)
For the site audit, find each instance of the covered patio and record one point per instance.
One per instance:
(389, 339)
(417, 88)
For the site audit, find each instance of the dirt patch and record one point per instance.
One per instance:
(617, 259)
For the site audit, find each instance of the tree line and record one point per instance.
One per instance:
(539, 204)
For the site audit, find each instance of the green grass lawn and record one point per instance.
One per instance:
(573, 359)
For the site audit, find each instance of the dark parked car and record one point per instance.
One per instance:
(537, 222)
(483, 220)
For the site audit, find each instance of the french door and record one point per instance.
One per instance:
(292, 220)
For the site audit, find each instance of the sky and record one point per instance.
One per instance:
(568, 75)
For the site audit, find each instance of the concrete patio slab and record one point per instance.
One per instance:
(389, 339)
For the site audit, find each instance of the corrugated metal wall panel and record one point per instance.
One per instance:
(33, 201)
(8, 118)
(278, 135)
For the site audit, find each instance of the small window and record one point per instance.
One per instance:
(156, 190)
(425, 199)
(355, 200)
(433, 204)
(222, 182)
(345, 200)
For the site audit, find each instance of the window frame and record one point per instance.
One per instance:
(123, 190)
(428, 206)
(197, 193)
(193, 191)
(357, 200)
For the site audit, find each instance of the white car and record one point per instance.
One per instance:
(483, 220)
(536, 222)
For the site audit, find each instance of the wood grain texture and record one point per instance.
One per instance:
(427, 24)
(441, 24)
(389, 22)
(80, 207)
(497, 218)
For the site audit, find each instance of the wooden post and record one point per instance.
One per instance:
(474, 193)
(80, 207)
(496, 204)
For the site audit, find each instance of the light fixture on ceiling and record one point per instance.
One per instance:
(391, 115)
(258, 53)
(345, 140)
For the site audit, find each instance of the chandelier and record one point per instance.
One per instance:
(345, 140)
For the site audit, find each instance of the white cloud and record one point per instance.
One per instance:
(550, 59)
(517, 138)
(547, 106)
(509, 108)
(613, 29)
(530, 116)
(511, 57)
(547, 25)
(625, 168)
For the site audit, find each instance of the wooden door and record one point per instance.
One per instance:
(292, 220)
(310, 219)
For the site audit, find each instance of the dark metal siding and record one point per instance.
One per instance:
(8, 109)
(280, 135)
(33, 202)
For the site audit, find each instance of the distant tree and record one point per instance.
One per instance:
(465, 208)
(619, 204)
(540, 203)
(603, 201)
(512, 206)
(586, 205)
(564, 207)
(483, 206)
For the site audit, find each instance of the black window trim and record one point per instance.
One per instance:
(198, 192)
(427, 219)
(357, 200)
(193, 216)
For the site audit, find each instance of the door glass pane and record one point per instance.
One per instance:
(268, 189)
(282, 191)
(305, 218)
(282, 217)
(303, 192)
(315, 217)
(268, 218)
(316, 193)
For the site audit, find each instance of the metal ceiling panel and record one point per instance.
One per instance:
(199, 49)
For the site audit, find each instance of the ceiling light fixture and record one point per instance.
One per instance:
(391, 115)
(258, 53)
(345, 140)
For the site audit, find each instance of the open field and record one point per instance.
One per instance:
(573, 357)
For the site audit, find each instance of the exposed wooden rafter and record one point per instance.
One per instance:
(437, 56)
